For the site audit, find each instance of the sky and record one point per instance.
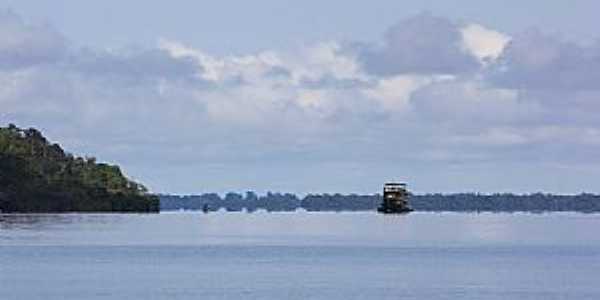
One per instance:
(307, 96)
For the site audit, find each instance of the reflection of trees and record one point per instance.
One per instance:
(35, 222)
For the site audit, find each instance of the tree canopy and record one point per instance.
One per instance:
(39, 176)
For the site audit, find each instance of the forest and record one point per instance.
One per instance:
(37, 176)
(465, 202)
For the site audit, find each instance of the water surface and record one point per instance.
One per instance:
(300, 256)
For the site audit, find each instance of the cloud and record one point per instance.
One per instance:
(534, 60)
(226, 69)
(24, 45)
(485, 44)
(469, 104)
(422, 44)
(136, 65)
(435, 95)
(394, 93)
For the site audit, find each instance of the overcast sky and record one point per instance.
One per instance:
(308, 96)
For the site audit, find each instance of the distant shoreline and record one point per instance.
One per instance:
(464, 202)
(261, 211)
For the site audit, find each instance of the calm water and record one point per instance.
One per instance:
(300, 256)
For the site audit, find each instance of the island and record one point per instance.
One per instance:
(37, 176)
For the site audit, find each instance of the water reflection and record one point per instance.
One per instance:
(300, 228)
(43, 222)
(34, 222)
(299, 255)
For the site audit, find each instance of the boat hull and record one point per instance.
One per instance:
(388, 210)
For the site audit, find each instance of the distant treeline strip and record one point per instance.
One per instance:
(466, 202)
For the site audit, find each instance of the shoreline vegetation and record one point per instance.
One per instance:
(37, 176)
(465, 202)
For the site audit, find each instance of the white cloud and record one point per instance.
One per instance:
(394, 93)
(486, 44)
(433, 92)
(225, 69)
(326, 59)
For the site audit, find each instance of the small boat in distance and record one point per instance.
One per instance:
(395, 199)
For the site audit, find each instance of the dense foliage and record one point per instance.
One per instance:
(37, 176)
(430, 202)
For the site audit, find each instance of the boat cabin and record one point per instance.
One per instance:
(395, 198)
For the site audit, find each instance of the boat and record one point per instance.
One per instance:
(395, 199)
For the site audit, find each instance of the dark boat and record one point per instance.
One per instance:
(395, 199)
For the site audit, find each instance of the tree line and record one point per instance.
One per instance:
(462, 202)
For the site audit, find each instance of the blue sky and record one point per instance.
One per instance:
(306, 96)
